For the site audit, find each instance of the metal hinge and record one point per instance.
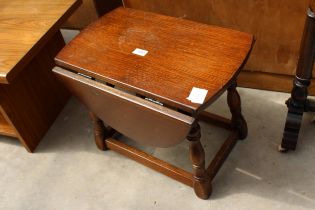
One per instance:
(86, 76)
(154, 101)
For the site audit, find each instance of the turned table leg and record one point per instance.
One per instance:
(202, 183)
(234, 102)
(99, 132)
(298, 103)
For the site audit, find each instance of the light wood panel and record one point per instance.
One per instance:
(181, 54)
(33, 100)
(25, 26)
(277, 26)
(6, 128)
(29, 41)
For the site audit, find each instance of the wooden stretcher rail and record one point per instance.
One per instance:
(171, 170)
(215, 120)
(151, 162)
(222, 154)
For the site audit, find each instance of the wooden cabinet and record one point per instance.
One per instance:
(30, 96)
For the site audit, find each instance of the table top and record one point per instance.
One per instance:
(181, 55)
(25, 26)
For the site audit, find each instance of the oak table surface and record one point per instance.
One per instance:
(181, 55)
(24, 27)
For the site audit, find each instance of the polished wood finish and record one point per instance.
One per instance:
(298, 103)
(138, 114)
(215, 119)
(99, 131)
(201, 177)
(222, 154)
(202, 182)
(215, 52)
(277, 29)
(30, 39)
(237, 125)
(234, 101)
(114, 84)
(276, 25)
(151, 162)
(25, 27)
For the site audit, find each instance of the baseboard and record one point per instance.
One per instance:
(269, 81)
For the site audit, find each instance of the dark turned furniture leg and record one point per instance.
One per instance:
(296, 106)
(298, 103)
(99, 132)
(234, 101)
(201, 179)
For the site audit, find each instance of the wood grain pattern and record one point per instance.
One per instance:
(151, 162)
(202, 182)
(201, 178)
(99, 131)
(33, 100)
(25, 26)
(222, 154)
(276, 25)
(182, 55)
(238, 121)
